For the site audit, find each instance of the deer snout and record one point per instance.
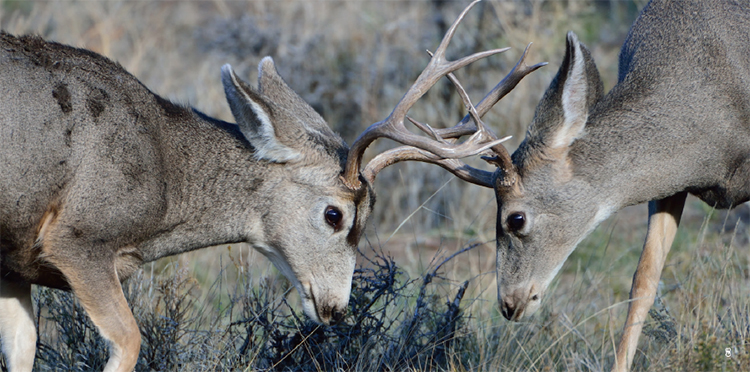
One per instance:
(325, 306)
(508, 309)
(519, 303)
(331, 315)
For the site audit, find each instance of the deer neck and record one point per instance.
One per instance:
(635, 152)
(213, 184)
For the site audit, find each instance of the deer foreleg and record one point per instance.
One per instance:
(664, 217)
(105, 303)
(95, 283)
(17, 328)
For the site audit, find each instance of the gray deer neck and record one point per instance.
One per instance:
(638, 149)
(207, 193)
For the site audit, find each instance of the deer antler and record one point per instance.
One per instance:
(393, 126)
(471, 123)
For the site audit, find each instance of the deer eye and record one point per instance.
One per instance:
(334, 217)
(516, 221)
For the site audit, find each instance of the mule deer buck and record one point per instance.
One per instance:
(100, 175)
(677, 122)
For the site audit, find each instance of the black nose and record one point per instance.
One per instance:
(337, 316)
(508, 310)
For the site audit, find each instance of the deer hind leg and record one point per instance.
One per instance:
(17, 328)
(664, 217)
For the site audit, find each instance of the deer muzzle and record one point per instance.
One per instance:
(324, 306)
(520, 302)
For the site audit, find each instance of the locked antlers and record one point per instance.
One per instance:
(469, 124)
(442, 149)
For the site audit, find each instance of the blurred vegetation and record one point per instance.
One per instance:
(351, 60)
(224, 308)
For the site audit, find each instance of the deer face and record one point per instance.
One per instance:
(539, 224)
(546, 201)
(307, 222)
(310, 233)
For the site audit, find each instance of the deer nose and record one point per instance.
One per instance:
(507, 309)
(330, 315)
(337, 316)
(519, 303)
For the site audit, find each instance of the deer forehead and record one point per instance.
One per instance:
(321, 175)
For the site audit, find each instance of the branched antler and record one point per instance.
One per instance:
(393, 126)
(470, 124)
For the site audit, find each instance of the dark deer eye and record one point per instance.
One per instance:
(334, 217)
(516, 221)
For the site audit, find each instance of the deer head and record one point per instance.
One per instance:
(544, 207)
(544, 210)
(311, 223)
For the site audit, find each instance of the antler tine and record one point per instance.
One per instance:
(403, 153)
(480, 131)
(427, 129)
(509, 82)
(393, 126)
(501, 158)
(482, 134)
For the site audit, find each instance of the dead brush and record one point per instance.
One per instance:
(378, 333)
(77, 345)
(393, 323)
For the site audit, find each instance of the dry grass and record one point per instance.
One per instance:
(352, 60)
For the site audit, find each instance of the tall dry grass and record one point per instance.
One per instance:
(352, 60)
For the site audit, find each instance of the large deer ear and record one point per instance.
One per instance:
(255, 117)
(561, 115)
(301, 117)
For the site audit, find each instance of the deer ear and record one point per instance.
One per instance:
(562, 113)
(255, 118)
(302, 117)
